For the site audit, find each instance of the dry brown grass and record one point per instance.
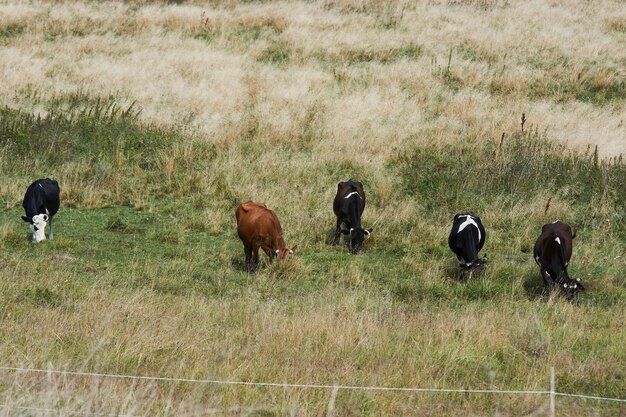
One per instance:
(342, 59)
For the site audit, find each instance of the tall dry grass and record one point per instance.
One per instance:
(195, 64)
(335, 336)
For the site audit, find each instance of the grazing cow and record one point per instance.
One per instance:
(348, 206)
(259, 227)
(553, 251)
(466, 239)
(41, 203)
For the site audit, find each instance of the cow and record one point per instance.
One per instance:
(259, 227)
(552, 252)
(466, 239)
(41, 203)
(348, 206)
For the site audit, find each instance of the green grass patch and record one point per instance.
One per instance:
(239, 36)
(475, 53)
(156, 267)
(90, 129)
(410, 51)
(562, 79)
(11, 30)
(278, 53)
(516, 170)
(599, 88)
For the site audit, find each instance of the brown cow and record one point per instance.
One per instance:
(553, 251)
(259, 227)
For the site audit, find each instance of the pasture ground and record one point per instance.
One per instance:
(157, 120)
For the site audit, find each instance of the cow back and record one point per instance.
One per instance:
(41, 196)
(255, 220)
(467, 237)
(344, 188)
(547, 248)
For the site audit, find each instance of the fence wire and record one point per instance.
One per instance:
(307, 386)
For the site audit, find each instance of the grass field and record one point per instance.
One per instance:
(158, 119)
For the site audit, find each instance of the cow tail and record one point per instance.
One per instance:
(564, 274)
(469, 245)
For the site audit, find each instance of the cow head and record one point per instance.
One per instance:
(357, 236)
(285, 252)
(37, 225)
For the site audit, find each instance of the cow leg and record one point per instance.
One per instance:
(337, 233)
(248, 251)
(266, 245)
(342, 240)
(50, 235)
(547, 278)
(255, 256)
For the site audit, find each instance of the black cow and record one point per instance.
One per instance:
(553, 251)
(41, 203)
(466, 239)
(348, 207)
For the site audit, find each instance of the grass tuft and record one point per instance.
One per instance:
(521, 167)
(278, 53)
(11, 30)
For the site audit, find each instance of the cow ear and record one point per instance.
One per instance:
(45, 217)
(26, 219)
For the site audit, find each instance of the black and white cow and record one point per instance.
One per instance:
(348, 206)
(41, 203)
(466, 239)
(553, 251)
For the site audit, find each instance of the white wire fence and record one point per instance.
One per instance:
(57, 411)
(333, 388)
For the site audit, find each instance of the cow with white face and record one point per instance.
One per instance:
(41, 203)
(466, 239)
